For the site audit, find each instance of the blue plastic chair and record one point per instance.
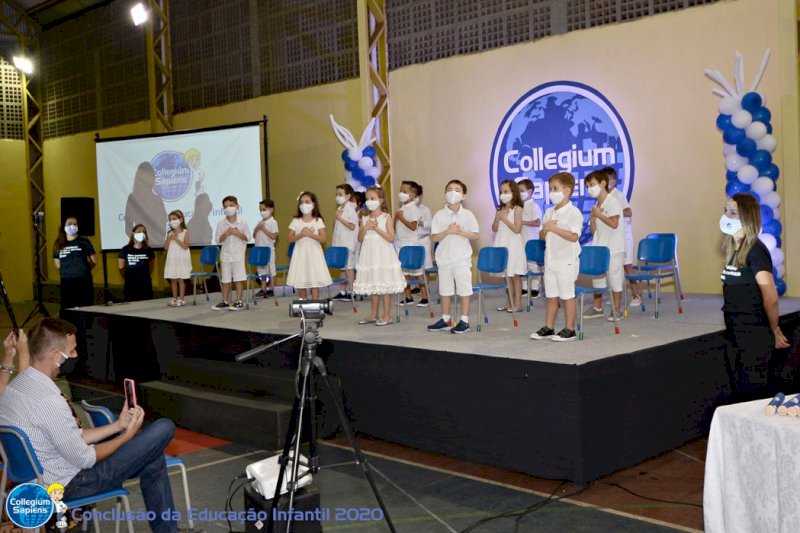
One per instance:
(285, 270)
(209, 257)
(336, 257)
(534, 253)
(594, 261)
(673, 237)
(23, 466)
(656, 255)
(492, 260)
(258, 257)
(413, 258)
(102, 416)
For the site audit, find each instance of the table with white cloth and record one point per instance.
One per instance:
(752, 477)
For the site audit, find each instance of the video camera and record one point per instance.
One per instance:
(310, 309)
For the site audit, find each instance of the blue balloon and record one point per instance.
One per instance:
(778, 242)
(781, 286)
(746, 147)
(775, 273)
(731, 176)
(767, 215)
(358, 173)
(769, 128)
(369, 181)
(736, 187)
(774, 227)
(772, 172)
(733, 135)
(351, 165)
(724, 122)
(751, 101)
(762, 114)
(345, 155)
(761, 159)
(369, 151)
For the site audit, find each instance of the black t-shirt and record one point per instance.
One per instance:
(137, 266)
(74, 258)
(739, 287)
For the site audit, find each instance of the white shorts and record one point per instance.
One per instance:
(232, 271)
(534, 267)
(616, 274)
(559, 281)
(455, 280)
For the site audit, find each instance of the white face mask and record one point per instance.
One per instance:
(594, 191)
(416, 201)
(556, 197)
(729, 226)
(403, 197)
(453, 197)
(306, 209)
(71, 229)
(524, 195)
(139, 237)
(507, 197)
(266, 213)
(230, 211)
(373, 205)
(340, 200)
(175, 224)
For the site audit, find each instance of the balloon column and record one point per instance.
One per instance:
(748, 144)
(361, 165)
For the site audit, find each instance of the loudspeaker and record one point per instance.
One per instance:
(83, 210)
(306, 505)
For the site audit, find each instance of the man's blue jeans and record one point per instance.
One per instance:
(142, 457)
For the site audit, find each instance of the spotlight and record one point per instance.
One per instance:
(24, 64)
(139, 14)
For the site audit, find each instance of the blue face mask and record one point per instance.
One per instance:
(729, 226)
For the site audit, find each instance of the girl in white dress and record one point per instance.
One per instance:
(378, 272)
(307, 268)
(508, 226)
(178, 265)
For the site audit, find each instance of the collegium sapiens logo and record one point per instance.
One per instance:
(29, 506)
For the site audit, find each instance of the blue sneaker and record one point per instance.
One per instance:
(461, 327)
(441, 325)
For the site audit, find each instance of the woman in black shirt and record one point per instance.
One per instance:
(136, 260)
(751, 299)
(74, 257)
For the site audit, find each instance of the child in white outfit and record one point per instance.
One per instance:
(265, 234)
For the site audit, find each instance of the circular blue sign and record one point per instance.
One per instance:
(29, 506)
(173, 175)
(561, 126)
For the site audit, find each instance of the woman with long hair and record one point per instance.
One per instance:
(74, 258)
(751, 300)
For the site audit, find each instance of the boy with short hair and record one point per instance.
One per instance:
(454, 227)
(406, 223)
(561, 229)
(424, 232)
(531, 222)
(232, 234)
(627, 213)
(607, 228)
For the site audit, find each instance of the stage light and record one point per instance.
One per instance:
(139, 14)
(24, 64)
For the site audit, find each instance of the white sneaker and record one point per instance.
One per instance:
(635, 302)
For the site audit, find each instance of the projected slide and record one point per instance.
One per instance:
(141, 180)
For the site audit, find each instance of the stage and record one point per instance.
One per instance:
(571, 411)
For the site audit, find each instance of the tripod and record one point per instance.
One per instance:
(308, 364)
(39, 308)
(7, 303)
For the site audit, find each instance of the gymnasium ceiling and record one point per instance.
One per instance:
(51, 12)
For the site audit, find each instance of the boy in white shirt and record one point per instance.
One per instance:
(406, 225)
(627, 213)
(608, 230)
(561, 228)
(531, 222)
(232, 234)
(424, 232)
(345, 233)
(265, 234)
(453, 228)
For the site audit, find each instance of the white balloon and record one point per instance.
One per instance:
(777, 256)
(755, 130)
(728, 149)
(373, 172)
(742, 119)
(769, 241)
(771, 199)
(781, 270)
(358, 187)
(365, 163)
(763, 186)
(747, 174)
(767, 142)
(729, 105)
(734, 162)
(355, 154)
(763, 98)
(776, 212)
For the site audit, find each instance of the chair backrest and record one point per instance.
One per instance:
(23, 465)
(209, 255)
(290, 250)
(98, 414)
(412, 257)
(656, 250)
(534, 250)
(336, 257)
(594, 260)
(259, 256)
(493, 260)
(672, 236)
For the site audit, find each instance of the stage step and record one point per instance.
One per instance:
(255, 422)
(250, 380)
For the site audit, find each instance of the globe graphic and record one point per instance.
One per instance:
(30, 520)
(173, 175)
(557, 122)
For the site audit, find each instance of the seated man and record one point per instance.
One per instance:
(76, 457)
(16, 344)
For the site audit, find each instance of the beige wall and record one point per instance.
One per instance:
(16, 227)
(445, 114)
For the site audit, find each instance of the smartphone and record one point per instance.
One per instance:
(130, 393)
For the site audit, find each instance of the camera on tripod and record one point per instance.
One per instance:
(310, 309)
